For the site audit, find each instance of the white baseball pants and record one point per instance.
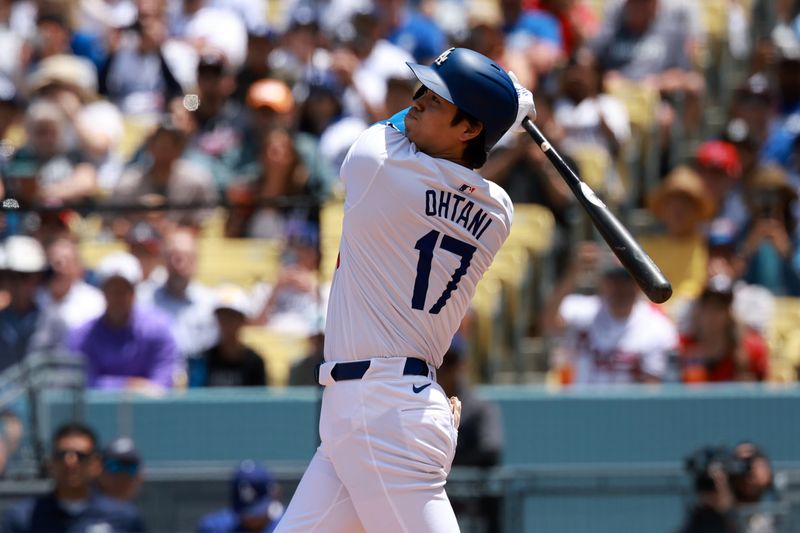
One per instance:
(388, 441)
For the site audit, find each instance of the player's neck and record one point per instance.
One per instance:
(455, 155)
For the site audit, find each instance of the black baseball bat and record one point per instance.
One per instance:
(649, 277)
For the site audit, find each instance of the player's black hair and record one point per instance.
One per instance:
(475, 153)
(75, 428)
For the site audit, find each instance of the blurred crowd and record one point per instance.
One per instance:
(147, 115)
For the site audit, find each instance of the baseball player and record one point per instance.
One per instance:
(420, 229)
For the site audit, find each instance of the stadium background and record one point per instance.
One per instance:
(574, 458)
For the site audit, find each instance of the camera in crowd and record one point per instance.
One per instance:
(701, 463)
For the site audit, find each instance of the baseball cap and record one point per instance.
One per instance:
(272, 94)
(122, 265)
(721, 155)
(251, 489)
(722, 232)
(719, 287)
(232, 297)
(121, 456)
(144, 234)
(24, 254)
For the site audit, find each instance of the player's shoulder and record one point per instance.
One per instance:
(376, 144)
(500, 195)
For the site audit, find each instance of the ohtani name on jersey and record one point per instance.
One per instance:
(458, 209)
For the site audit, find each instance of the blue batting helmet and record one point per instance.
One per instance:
(476, 85)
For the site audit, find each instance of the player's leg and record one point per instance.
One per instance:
(321, 504)
(396, 459)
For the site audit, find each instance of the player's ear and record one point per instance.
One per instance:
(470, 131)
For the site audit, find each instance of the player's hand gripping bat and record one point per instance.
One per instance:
(630, 253)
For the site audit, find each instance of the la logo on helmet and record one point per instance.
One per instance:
(443, 57)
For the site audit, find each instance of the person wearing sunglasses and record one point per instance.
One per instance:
(122, 473)
(73, 506)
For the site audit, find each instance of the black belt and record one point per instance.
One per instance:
(357, 369)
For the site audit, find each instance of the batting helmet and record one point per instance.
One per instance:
(476, 85)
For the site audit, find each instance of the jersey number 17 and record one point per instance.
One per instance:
(426, 246)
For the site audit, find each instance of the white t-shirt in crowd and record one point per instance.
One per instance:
(605, 349)
(82, 303)
(418, 234)
(581, 121)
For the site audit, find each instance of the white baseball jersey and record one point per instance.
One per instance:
(418, 234)
(609, 350)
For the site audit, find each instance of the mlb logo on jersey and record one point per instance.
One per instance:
(466, 188)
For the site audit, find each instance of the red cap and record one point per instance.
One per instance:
(719, 154)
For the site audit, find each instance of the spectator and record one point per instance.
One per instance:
(754, 102)
(536, 34)
(253, 507)
(769, 242)
(302, 371)
(486, 36)
(121, 477)
(188, 303)
(301, 51)
(611, 337)
(654, 42)
(55, 37)
(294, 303)
(753, 305)
(136, 77)
(128, 347)
(144, 243)
(94, 127)
(45, 171)
(322, 115)
(411, 30)
(73, 505)
(719, 166)
(779, 146)
(730, 488)
(363, 64)
(576, 19)
(282, 174)
(65, 291)
(682, 204)
(260, 42)
(271, 105)
(162, 175)
(589, 116)
(717, 347)
(10, 438)
(229, 363)
(25, 326)
(216, 126)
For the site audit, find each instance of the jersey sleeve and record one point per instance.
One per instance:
(362, 162)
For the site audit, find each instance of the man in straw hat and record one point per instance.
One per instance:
(681, 204)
